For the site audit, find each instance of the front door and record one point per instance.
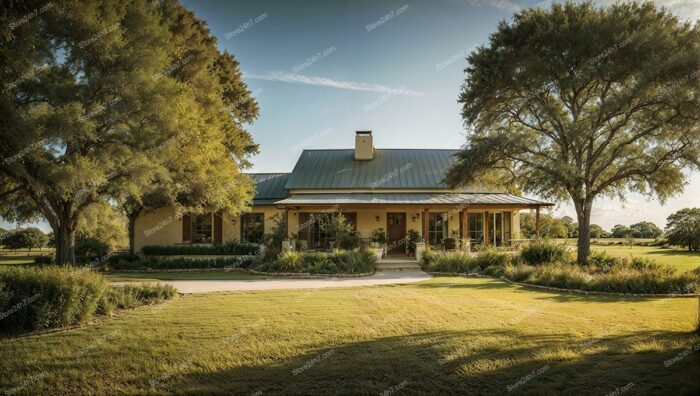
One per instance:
(396, 232)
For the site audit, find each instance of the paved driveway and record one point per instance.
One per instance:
(380, 278)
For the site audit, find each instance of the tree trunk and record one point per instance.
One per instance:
(583, 212)
(65, 245)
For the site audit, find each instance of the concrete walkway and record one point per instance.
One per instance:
(379, 278)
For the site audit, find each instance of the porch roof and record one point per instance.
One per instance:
(441, 198)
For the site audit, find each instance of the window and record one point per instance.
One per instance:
(201, 225)
(475, 228)
(437, 228)
(311, 227)
(253, 227)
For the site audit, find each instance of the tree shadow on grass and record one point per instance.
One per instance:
(493, 361)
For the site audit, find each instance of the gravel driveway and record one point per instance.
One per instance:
(380, 278)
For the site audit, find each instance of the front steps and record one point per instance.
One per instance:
(398, 264)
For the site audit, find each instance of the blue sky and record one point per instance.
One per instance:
(321, 70)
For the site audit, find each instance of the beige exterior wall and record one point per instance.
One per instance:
(161, 226)
(164, 227)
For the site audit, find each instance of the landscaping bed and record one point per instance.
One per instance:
(48, 297)
(550, 265)
(357, 261)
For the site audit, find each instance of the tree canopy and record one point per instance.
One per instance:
(108, 99)
(577, 102)
(683, 228)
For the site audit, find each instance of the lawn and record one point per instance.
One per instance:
(682, 260)
(443, 336)
(21, 257)
(194, 275)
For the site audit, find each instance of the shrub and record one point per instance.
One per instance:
(182, 263)
(43, 260)
(542, 252)
(489, 256)
(449, 261)
(228, 248)
(90, 248)
(50, 296)
(351, 262)
(130, 296)
(358, 261)
(127, 257)
(642, 277)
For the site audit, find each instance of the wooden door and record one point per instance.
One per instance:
(396, 232)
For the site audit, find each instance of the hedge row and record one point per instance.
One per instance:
(179, 263)
(228, 248)
(51, 296)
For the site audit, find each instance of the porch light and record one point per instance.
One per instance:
(377, 218)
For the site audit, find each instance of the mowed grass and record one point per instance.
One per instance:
(443, 336)
(22, 257)
(682, 260)
(189, 275)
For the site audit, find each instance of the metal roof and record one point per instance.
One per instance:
(269, 187)
(390, 168)
(411, 198)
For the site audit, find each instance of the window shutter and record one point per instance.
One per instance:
(218, 229)
(186, 228)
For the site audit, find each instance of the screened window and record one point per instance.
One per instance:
(437, 228)
(253, 227)
(476, 227)
(201, 225)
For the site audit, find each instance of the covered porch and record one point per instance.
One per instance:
(441, 220)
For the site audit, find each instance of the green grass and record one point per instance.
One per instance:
(200, 275)
(22, 257)
(682, 260)
(443, 336)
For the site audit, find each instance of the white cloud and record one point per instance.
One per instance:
(500, 4)
(328, 82)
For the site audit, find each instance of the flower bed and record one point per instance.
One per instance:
(159, 263)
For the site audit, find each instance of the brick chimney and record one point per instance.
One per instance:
(364, 149)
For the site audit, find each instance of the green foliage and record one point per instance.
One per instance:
(43, 260)
(550, 226)
(340, 232)
(25, 238)
(379, 236)
(180, 263)
(413, 238)
(134, 295)
(126, 102)
(227, 248)
(89, 248)
(347, 262)
(541, 252)
(105, 223)
(273, 241)
(464, 262)
(637, 276)
(544, 100)
(50, 296)
(683, 228)
(643, 229)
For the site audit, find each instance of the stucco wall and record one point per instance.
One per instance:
(164, 227)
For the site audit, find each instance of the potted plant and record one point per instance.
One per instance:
(378, 242)
(413, 237)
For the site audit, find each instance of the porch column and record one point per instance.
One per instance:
(286, 222)
(463, 229)
(487, 237)
(426, 217)
(537, 222)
